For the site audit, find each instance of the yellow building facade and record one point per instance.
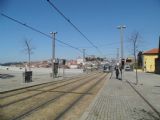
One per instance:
(149, 60)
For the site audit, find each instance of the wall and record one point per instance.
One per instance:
(157, 66)
(149, 62)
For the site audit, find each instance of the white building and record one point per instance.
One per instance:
(80, 61)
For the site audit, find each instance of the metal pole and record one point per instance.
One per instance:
(53, 52)
(63, 71)
(84, 55)
(84, 60)
(121, 27)
(121, 32)
(117, 55)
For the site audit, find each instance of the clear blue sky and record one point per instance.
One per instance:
(97, 19)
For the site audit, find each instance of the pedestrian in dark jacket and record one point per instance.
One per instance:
(117, 72)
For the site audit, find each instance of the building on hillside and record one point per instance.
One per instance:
(72, 64)
(80, 61)
(149, 59)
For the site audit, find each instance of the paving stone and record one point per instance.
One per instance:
(117, 100)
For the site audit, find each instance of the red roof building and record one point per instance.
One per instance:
(152, 51)
(149, 58)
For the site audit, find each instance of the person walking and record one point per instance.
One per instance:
(117, 72)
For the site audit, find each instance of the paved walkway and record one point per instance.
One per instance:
(148, 86)
(117, 100)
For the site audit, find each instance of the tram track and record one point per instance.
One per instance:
(53, 98)
(47, 102)
(77, 99)
(14, 92)
(40, 92)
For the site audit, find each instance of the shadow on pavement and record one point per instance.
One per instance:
(6, 76)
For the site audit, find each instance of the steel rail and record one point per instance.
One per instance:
(41, 92)
(35, 108)
(78, 99)
(26, 88)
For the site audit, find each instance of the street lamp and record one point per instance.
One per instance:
(53, 34)
(121, 27)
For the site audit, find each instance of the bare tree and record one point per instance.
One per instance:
(135, 39)
(28, 50)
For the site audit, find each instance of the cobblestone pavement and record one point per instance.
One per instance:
(118, 101)
(148, 86)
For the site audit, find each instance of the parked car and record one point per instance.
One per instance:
(127, 68)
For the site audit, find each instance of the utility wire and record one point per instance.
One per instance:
(74, 26)
(104, 45)
(38, 31)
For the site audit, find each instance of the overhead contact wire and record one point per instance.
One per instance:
(74, 26)
(38, 31)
